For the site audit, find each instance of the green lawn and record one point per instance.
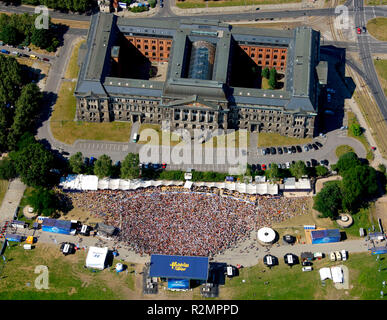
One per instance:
(340, 150)
(3, 189)
(361, 219)
(375, 2)
(285, 283)
(189, 4)
(352, 119)
(73, 69)
(377, 28)
(65, 129)
(68, 279)
(275, 139)
(381, 69)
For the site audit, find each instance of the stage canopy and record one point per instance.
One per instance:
(178, 267)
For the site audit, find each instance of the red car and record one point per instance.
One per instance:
(358, 30)
(45, 59)
(264, 167)
(164, 165)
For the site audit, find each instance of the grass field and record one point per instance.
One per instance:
(352, 119)
(375, 2)
(68, 279)
(3, 189)
(275, 139)
(362, 219)
(73, 69)
(189, 4)
(340, 150)
(377, 28)
(285, 283)
(381, 69)
(72, 23)
(65, 129)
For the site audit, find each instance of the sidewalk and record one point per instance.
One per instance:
(11, 200)
(304, 4)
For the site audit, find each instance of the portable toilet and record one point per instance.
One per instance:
(30, 240)
(119, 267)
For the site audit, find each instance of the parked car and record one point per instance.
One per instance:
(358, 30)
(259, 168)
(318, 144)
(314, 146)
(253, 167)
(163, 165)
(314, 162)
(332, 256)
(287, 165)
(310, 146)
(364, 29)
(273, 151)
(263, 167)
(344, 255)
(307, 263)
(294, 150)
(304, 269)
(298, 149)
(306, 148)
(267, 150)
(279, 149)
(285, 150)
(156, 166)
(4, 51)
(338, 255)
(86, 161)
(45, 59)
(263, 151)
(308, 164)
(324, 162)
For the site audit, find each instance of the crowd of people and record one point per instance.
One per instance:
(172, 220)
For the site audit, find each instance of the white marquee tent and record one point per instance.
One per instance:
(96, 258)
(337, 274)
(325, 273)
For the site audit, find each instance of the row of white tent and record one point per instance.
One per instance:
(333, 273)
(91, 182)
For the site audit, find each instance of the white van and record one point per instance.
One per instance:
(135, 137)
(338, 255)
(332, 256)
(344, 255)
(304, 269)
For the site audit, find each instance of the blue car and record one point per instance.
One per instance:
(92, 160)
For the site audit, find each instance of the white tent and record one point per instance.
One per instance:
(188, 184)
(337, 274)
(96, 258)
(325, 273)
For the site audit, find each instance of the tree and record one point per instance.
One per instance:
(347, 161)
(26, 111)
(328, 200)
(33, 164)
(10, 35)
(298, 169)
(355, 129)
(382, 168)
(321, 171)
(359, 183)
(130, 167)
(152, 3)
(43, 201)
(77, 163)
(273, 78)
(41, 38)
(103, 166)
(265, 73)
(274, 172)
(7, 169)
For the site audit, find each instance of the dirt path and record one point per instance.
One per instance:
(380, 211)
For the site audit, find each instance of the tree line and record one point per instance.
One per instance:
(19, 29)
(64, 5)
(360, 183)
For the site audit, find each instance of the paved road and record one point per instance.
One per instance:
(361, 17)
(11, 200)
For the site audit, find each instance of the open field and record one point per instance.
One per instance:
(65, 129)
(3, 189)
(340, 150)
(375, 2)
(352, 119)
(73, 69)
(381, 69)
(72, 23)
(188, 4)
(68, 280)
(377, 28)
(285, 283)
(275, 139)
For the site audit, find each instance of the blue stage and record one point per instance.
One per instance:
(179, 267)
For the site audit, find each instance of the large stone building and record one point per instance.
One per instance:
(212, 75)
